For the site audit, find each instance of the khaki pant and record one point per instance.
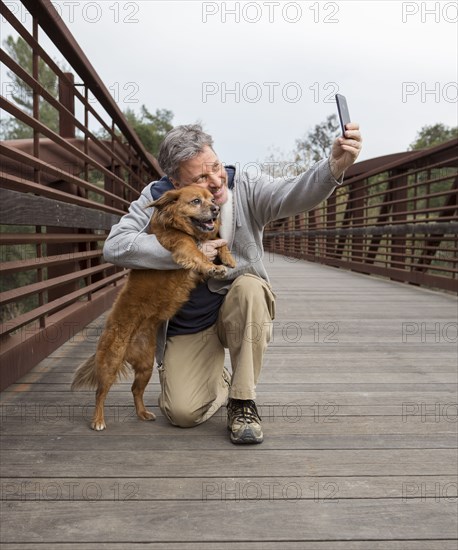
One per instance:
(193, 384)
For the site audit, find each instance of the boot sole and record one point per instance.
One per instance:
(247, 440)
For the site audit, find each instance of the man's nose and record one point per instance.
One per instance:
(214, 180)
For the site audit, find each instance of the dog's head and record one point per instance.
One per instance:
(190, 209)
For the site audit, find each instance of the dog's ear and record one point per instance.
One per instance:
(167, 198)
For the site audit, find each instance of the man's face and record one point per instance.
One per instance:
(204, 170)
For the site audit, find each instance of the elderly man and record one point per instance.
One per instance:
(235, 313)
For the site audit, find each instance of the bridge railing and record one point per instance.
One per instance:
(61, 191)
(396, 219)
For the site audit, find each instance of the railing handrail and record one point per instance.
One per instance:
(402, 224)
(51, 22)
(72, 185)
(405, 159)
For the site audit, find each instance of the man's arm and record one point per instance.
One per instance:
(283, 197)
(272, 199)
(129, 244)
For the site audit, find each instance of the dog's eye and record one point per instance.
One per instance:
(196, 202)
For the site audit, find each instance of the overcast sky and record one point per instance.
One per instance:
(261, 74)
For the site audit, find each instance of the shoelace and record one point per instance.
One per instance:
(245, 410)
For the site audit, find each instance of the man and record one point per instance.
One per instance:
(235, 313)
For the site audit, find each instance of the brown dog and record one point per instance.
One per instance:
(182, 219)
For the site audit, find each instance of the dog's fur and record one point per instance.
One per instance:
(150, 297)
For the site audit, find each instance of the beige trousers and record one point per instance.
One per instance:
(193, 382)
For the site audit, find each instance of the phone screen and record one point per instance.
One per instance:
(344, 115)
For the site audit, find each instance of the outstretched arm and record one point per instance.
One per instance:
(283, 197)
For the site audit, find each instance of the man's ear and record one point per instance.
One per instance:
(167, 198)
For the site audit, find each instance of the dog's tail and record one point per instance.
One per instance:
(86, 377)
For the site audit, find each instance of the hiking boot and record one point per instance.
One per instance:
(244, 421)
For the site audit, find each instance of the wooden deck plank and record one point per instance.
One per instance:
(267, 394)
(52, 408)
(365, 427)
(121, 420)
(55, 440)
(289, 375)
(33, 387)
(413, 544)
(416, 544)
(182, 521)
(315, 488)
(284, 462)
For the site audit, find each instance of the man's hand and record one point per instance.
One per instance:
(210, 248)
(345, 151)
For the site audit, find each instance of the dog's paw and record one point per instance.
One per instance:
(218, 271)
(147, 415)
(230, 262)
(98, 425)
(226, 257)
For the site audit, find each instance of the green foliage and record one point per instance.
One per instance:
(275, 165)
(150, 128)
(10, 253)
(317, 144)
(432, 135)
(22, 95)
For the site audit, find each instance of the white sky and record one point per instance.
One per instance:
(164, 54)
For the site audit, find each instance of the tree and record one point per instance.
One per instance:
(435, 134)
(150, 128)
(318, 143)
(279, 164)
(22, 95)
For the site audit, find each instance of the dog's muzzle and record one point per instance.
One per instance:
(206, 226)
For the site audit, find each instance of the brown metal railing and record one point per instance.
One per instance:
(61, 191)
(394, 217)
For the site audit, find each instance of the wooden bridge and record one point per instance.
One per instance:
(359, 390)
(359, 406)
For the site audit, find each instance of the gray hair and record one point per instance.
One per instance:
(181, 144)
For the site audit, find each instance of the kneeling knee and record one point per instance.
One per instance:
(181, 416)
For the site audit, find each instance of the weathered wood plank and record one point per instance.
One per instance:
(49, 406)
(28, 209)
(212, 521)
(122, 420)
(294, 363)
(299, 387)
(437, 488)
(288, 376)
(416, 544)
(293, 336)
(231, 462)
(374, 401)
(65, 439)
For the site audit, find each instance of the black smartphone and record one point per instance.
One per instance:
(344, 115)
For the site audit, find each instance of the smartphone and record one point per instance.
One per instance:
(344, 115)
